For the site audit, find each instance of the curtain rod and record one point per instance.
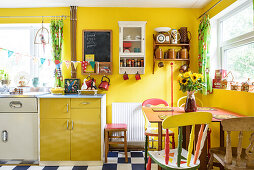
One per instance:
(61, 16)
(209, 9)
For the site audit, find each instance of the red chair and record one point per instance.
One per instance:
(109, 128)
(153, 131)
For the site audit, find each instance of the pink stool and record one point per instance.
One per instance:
(115, 128)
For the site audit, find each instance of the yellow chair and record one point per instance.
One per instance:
(153, 131)
(180, 158)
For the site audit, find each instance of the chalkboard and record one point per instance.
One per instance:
(99, 43)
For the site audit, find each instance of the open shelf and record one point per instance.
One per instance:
(157, 45)
(173, 45)
(171, 59)
(131, 40)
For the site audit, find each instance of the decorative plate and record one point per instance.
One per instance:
(162, 29)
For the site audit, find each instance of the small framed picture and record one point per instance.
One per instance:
(71, 85)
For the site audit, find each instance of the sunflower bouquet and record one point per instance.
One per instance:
(189, 81)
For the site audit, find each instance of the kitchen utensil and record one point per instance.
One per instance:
(137, 76)
(184, 53)
(160, 64)
(137, 37)
(172, 53)
(162, 29)
(104, 84)
(175, 36)
(158, 53)
(184, 68)
(166, 56)
(125, 76)
(184, 35)
(128, 37)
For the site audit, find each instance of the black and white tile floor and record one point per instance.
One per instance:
(116, 161)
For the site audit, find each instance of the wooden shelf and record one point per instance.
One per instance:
(171, 59)
(173, 45)
(158, 45)
(132, 67)
(132, 40)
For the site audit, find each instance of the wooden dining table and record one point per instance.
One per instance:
(156, 117)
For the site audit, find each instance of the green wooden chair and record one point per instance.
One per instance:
(180, 158)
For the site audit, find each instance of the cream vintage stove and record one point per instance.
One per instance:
(19, 126)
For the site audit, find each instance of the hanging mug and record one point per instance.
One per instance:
(125, 76)
(137, 76)
(175, 36)
(104, 84)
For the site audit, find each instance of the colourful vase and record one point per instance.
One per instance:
(190, 105)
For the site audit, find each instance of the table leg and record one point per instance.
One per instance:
(159, 139)
(221, 136)
(221, 141)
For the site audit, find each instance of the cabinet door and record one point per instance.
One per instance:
(85, 135)
(54, 108)
(54, 140)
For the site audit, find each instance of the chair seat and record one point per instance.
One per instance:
(116, 126)
(159, 158)
(153, 131)
(220, 152)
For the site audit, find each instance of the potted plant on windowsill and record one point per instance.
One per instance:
(190, 82)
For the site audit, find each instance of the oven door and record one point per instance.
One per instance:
(19, 136)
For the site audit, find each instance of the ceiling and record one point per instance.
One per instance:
(104, 3)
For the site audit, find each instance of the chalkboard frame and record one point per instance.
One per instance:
(100, 63)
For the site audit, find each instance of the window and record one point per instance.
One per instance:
(19, 54)
(235, 39)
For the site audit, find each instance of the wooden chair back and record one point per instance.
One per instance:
(193, 118)
(239, 124)
(152, 102)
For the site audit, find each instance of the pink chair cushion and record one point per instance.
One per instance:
(154, 102)
(112, 126)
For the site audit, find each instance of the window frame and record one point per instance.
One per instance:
(32, 28)
(241, 40)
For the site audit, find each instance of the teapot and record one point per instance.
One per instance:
(104, 84)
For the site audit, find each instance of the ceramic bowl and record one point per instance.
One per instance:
(162, 29)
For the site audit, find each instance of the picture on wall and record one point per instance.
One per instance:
(71, 85)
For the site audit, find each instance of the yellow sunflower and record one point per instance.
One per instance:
(179, 77)
(184, 82)
(194, 77)
(187, 74)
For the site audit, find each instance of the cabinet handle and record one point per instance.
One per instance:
(72, 124)
(67, 107)
(85, 103)
(15, 104)
(4, 136)
(67, 124)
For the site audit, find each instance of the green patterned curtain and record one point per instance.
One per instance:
(204, 57)
(56, 28)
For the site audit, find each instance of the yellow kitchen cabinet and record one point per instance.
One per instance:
(85, 135)
(55, 108)
(71, 129)
(54, 139)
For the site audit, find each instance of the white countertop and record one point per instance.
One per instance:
(71, 96)
(27, 94)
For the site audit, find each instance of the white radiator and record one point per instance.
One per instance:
(131, 114)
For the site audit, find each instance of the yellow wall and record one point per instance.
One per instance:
(151, 85)
(218, 8)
